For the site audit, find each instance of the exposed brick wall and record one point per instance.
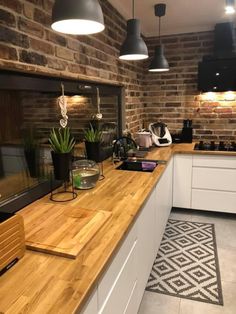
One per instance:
(173, 96)
(27, 43)
(41, 111)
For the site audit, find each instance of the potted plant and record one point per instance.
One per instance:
(31, 152)
(93, 138)
(62, 144)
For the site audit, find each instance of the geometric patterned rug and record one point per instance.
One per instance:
(187, 265)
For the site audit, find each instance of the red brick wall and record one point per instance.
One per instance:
(172, 96)
(28, 43)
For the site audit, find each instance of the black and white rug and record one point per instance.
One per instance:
(187, 265)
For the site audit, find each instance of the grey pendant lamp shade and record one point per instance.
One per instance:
(159, 62)
(77, 17)
(134, 47)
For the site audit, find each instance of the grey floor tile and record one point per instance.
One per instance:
(225, 226)
(154, 303)
(227, 261)
(181, 215)
(193, 307)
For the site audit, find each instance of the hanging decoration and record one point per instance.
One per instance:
(62, 102)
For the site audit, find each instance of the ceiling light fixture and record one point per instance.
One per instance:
(229, 7)
(159, 62)
(134, 47)
(77, 17)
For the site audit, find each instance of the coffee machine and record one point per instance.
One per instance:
(187, 131)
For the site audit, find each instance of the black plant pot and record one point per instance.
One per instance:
(62, 165)
(32, 160)
(94, 151)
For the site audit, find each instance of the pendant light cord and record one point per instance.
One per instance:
(159, 30)
(133, 9)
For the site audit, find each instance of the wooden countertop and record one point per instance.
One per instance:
(42, 283)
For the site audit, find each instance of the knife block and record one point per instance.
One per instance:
(12, 240)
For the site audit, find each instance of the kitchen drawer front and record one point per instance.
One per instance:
(112, 273)
(119, 294)
(214, 161)
(214, 179)
(182, 181)
(91, 305)
(214, 200)
(132, 305)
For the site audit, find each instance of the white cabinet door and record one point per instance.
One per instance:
(110, 281)
(219, 201)
(91, 305)
(219, 179)
(119, 294)
(163, 202)
(182, 181)
(145, 246)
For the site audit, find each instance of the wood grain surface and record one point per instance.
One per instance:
(60, 229)
(43, 283)
(12, 240)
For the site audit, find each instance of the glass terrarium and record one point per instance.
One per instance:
(85, 174)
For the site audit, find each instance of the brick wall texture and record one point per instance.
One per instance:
(27, 43)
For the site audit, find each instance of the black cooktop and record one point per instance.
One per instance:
(216, 146)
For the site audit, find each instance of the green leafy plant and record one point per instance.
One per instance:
(61, 140)
(92, 135)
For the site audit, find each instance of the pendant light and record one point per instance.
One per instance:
(229, 7)
(134, 47)
(77, 17)
(159, 62)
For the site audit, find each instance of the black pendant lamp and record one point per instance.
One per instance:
(159, 62)
(77, 17)
(134, 47)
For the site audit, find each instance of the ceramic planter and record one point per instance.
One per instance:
(62, 165)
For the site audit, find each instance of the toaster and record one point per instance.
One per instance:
(12, 240)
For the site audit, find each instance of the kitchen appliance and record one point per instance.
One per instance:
(187, 132)
(12, 240)
(160, 134)
(144, 139)
(216, 146)
(217, 73)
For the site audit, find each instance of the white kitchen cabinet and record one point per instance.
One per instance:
(110, 290)
(214, 161)
(91, 305)
(146, 252)
(214, 183)
(182, 181)
(121, 288)
(214, 200)
(164, 192)
(219, 179)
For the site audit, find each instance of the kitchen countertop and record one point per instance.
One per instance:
(43, 283)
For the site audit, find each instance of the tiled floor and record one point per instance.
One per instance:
(225, 227)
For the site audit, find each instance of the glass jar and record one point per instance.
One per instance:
(85, 174)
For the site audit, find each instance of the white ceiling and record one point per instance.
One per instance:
(182, 16)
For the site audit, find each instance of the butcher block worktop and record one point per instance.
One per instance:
(45, 283)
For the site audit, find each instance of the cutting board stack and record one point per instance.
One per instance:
(12, 240)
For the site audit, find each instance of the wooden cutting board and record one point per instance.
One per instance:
(61, 229)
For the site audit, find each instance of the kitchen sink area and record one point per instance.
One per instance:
(142, 165)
